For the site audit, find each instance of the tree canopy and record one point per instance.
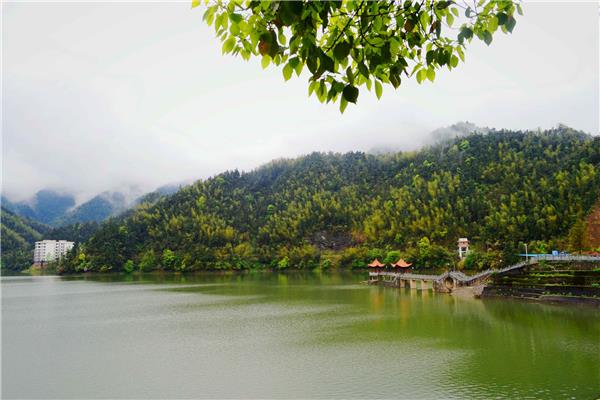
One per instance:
(499, 189)
(353, 43)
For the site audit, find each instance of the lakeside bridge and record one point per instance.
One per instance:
(450, 280)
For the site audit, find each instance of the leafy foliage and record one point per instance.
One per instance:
(18, 237)
(499, 189)
(353, 43)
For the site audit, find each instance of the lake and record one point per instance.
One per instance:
(296, 335)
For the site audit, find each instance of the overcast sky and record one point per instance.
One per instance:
(104, 96)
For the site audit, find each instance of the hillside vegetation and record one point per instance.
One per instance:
(18, 236)
(499, 189)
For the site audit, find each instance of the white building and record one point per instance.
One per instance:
(463, 247)
(50, 250)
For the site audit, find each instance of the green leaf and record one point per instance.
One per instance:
(311, 87)
(228, 45)
(341, 51)
(467, 32)
(493, 24)
(350, 93)
(282, 39)
(378, 89)
(234, 29)
(322, 92)
(287, 71)
(487, 37)
(296, 65)
(454, 61)
(362, 68)
(235, 18)
(395, 80)
(327, 63)
(430, 56)
(311, 63)
(209, 15)
(266, 60)
(431, 74)
(421, 75)
(510, 23)
(502, 18)
(343, 105)
(349, 75)
(424, 18)
(195, 3)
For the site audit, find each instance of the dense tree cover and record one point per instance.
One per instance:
(351, 43)
(18, 236)
(78, 232)
(500, 189)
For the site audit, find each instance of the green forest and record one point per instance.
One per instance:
(20, 233)
(18, 236)
(500, 189)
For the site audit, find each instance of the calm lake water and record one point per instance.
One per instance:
(267, 335)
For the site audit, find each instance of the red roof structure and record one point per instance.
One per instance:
(401, 264)
(376, 264)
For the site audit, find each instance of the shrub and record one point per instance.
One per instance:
(128, 266)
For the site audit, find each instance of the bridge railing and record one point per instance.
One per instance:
(565, 257)
(462, 277)
(405, 275)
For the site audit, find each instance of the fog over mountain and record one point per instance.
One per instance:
(104, 96)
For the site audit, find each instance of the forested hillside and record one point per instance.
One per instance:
(498, 189)
(18, 236)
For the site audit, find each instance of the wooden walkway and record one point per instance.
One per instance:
(452, 279)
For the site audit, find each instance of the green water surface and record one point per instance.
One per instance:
(269, 335)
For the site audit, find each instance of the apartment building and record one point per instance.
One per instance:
(50, 250)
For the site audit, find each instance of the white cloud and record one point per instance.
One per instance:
(100, 96)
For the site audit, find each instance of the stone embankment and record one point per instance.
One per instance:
(565, 282)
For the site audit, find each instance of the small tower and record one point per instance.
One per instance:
(463, 247)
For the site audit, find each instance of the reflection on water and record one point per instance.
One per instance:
(294, 335)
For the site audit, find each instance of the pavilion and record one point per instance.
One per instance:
(403, 265)
(376, 264)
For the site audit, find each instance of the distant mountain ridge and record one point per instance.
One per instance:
(58, 209)
(436, 136)
(47, 206)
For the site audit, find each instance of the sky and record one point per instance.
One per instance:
(131, 96)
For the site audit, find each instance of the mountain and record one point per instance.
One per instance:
(47, 206)
(499, 189)
(18, 237)
(58, 209)
(99, 208)
(159, 193)
(454, 131)
(437, 136)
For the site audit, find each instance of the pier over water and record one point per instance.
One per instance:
(450, 280)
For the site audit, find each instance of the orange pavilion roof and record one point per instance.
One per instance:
(376, 264)
(401, 264)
